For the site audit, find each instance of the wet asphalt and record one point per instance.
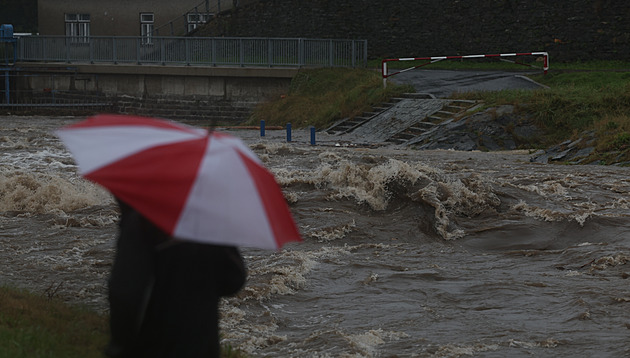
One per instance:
(443, 83)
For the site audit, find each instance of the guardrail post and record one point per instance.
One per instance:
(384, 73)
(91, 51)
(288, 132)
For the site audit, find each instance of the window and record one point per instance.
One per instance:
(146, 27)
(78, 27)
(196, 19)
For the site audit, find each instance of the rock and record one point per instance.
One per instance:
(494, 129)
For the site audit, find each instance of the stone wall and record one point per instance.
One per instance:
(569, 30)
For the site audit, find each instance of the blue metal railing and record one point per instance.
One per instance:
(199, 51)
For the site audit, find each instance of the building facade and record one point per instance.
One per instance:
(83, 18)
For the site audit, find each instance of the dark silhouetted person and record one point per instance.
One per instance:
(164, 293)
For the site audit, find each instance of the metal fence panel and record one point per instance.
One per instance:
(294, 52)
(226, 52)
(285, 52)
(199, 51)
(317, 52)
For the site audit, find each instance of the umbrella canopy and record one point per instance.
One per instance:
(194, 185)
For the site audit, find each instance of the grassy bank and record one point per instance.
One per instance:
(582, 97)
(318, 97)
(577, 103)
(34, 326)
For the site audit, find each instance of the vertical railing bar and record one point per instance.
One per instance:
(67, 50)
(187, 47)
(240, 55)
(270, 51)
(162, 51)
(214, 52)
(115, 51)
(91, 51)
(330, 53)
(300, 52)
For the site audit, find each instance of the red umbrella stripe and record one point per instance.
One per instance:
(156, 181)
(275, 206)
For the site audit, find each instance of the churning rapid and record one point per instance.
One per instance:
(407, 253)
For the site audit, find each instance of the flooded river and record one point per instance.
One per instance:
(406, 254)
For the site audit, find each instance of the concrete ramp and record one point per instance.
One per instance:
(401, 121)
(402, 115)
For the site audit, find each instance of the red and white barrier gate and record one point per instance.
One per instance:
(431, 60)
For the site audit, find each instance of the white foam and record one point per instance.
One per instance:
(32, 192)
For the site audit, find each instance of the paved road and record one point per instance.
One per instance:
(442, 83)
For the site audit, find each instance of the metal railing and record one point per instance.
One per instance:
(208, 51)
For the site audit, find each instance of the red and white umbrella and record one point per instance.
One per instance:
(194, 185)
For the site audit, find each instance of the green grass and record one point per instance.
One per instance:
(319, 97)
(33, 326)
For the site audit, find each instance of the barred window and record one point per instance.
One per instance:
(195, 19)
(78, 27)
(147, 20)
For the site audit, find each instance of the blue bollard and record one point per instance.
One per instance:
(288, 132)
(262, 128)
(312, 135)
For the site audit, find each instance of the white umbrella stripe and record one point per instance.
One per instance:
(210, 206)
(118, 141)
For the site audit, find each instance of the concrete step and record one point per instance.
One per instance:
(448, 111)
(417, 96)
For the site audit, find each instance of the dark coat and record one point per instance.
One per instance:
(164, 293)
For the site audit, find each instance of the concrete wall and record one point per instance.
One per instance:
(226, 95)
(118, 17)
(255, 84)
(568, 29)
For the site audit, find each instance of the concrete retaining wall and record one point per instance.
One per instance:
(224, 95)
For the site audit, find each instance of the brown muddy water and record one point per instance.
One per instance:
(406, 254)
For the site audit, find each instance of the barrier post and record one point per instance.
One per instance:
(288, 132)
(262, 127)
(384, 73)
(312, 135)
